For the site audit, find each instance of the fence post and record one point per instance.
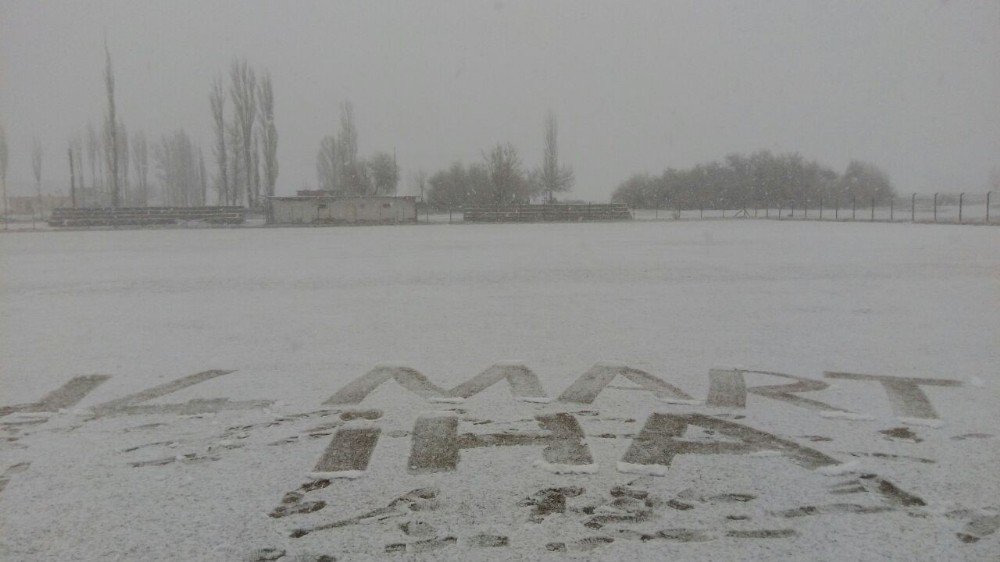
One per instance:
(892, 200)
(821, 207)
(854, 208)
(836, 210)
(449, 214)
(791, 206)
(873, 210)
(961, 197)
(913, 208)
(935, 207)
(805, 209)
(988, 206)
(779, 211)
(701, 210)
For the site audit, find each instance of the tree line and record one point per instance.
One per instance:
(113, 167)
(741, 181)
(500, 178)
(341, 171)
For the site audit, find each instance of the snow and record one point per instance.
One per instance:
(556, 468)
(349, 474)
(680, 401)
(645, 469)
(446, 399)
(299, 313)
(840, 469)
(926, 422)
(841, 415)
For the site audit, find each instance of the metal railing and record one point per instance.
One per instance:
(941, 208)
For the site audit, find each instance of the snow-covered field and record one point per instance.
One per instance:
(264, 447)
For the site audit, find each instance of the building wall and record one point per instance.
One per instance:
(348, 210)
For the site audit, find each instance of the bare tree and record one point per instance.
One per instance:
(202, 177)
(352, 171)
(268, 134)
(507, 183)
(123, 166)
(419, 181)
(236, 175)
(328, 165)
(111, 127)
(384, 174)
(3, 171)
(551, 177)
(217, 100)
(94, 158)
(243, 91)
(255, 167)
(140, 161)
(177, 169)
(72, 174)
(76, 155)
(36, 170)
(115, 145)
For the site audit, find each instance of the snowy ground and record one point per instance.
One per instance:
(667, 462)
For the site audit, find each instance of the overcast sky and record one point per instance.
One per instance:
(912, 85)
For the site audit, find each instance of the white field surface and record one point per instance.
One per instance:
(299, 313)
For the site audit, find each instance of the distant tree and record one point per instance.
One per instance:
(95, 159)
(36, 170)
(352, 170)
(418, 180)
(507, 182)
(176, 158)
(458, 187)
(865, 181)
(78, 146)
(124, 182)
(448, 188)
(552, 178)
(3, 169)
(736, 182)
(634, 192)
(237, 181)
(77, 194)
(268, 134)
(115, 145)
(217, 102)
(328, 173)
(384, 173)
(202, 177)
(243, 91)
(111, 125)
(140, 161)
(255, 167)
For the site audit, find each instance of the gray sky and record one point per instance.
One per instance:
(911, 85)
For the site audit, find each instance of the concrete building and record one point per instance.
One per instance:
(329, 209)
